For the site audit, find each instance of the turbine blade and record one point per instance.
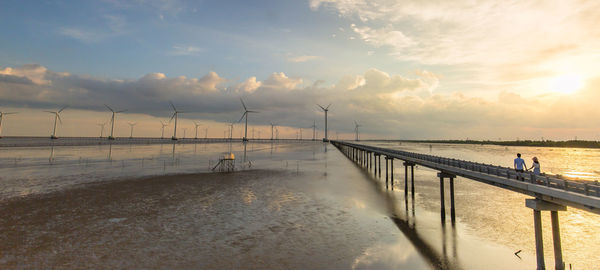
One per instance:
(49, 111)
(244, 114)
(109, 108)
(245, 109)
(175, 109)
(253, 111)
(59, 120)
(173, 116)
(63, 108)
(10, 113)
(321, 107)
(327, 108)
(121, 111)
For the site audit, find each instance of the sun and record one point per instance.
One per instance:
(566, 84)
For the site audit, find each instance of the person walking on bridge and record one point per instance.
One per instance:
(535, 166)
(520, 166)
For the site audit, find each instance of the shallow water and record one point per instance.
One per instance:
(290, 205)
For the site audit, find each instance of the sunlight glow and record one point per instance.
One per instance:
(566, 84)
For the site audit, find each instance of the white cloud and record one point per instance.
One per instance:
(279, 80)
(389, 103)
(302, 58)
(113, 26)
(248, 86)
(186, 50)
(462, 32)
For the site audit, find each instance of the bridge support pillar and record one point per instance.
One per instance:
(412, 181)
(450, 176)
(538, 206)
(386, 171)
(392, 171)
(379, 158)
(412, 178)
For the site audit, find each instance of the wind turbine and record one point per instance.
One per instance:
(56, 116)
(112, 121)
(356, 126)
(101, 125)
(162, 133)
(175, 113)
(325, 109)
(131, 124)
(2, 114)
(246, 112)
(272, 127)
(231, 131)
(196, 125)
(314, 127)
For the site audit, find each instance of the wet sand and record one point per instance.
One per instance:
(236, 220)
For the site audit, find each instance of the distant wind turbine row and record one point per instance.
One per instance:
(174, 116)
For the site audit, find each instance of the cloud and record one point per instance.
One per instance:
(388, 105)
(248, 86)
(281, 81)
(489, 33)
(186, 50)
(302, 58)
(113, 26)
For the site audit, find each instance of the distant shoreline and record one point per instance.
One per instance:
(544, 143)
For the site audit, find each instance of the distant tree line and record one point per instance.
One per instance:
(544, 143)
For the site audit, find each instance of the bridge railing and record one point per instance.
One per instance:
(509, 173)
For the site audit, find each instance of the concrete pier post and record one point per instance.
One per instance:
(379, 165)
(412, 181)
(443, 175)
(558, 260)
(405, 179)
(442, 201)
(539, 242)
(539, 205)
(386, 171)
(392, 171)
(452, 211)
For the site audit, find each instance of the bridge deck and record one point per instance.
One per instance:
(569, 193)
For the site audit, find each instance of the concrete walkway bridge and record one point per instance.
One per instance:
(549, 193)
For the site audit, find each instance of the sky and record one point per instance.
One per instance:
(400, 69)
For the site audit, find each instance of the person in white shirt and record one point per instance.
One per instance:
(535, 166)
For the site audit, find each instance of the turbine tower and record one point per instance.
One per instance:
(272, 127)
(196, 125)
(325, 109)
(56, 116)
(314, 127)
(231, 131)
(2, 114)
(101, 125)
(131, 124)
(162, 133)
(246, 112)
(112, 121)
(356, 126)
(175, 113)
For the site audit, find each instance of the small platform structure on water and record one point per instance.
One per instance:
(226, 163)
